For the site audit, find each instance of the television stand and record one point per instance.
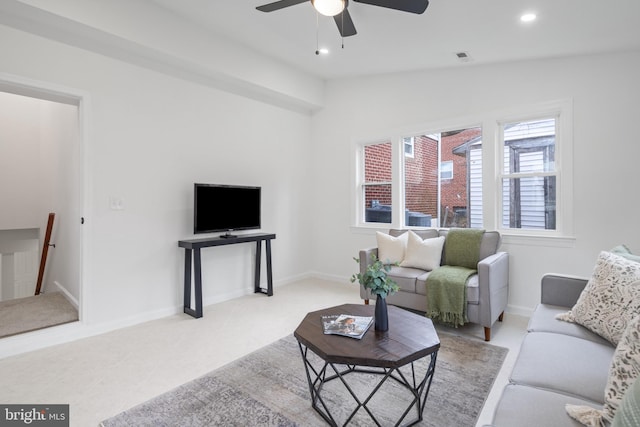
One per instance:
(193, 247)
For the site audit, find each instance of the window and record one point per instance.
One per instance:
(436, 180)
(511, 172)
(529, 174)
(446, 170)
(376, 188)
(432, 196)
(421, 181)
(408, 146)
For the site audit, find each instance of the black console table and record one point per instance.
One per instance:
(195, 245)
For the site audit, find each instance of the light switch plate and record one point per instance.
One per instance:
(116, 203)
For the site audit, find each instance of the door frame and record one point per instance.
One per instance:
(48, 91)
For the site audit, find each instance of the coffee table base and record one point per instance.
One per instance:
(318, 377)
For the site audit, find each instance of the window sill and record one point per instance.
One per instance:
(508, 238)
(537, 240)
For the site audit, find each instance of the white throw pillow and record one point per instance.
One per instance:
(611, 298)
(391, 249)
(625, 368)
(423, 254)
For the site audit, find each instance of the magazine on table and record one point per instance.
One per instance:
(346, 325)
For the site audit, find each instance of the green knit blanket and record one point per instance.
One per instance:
(446, 285)
(462, 247)
(447, 294)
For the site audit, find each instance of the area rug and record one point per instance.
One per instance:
(269, 388)
(36, 312)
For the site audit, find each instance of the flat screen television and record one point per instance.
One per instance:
(225, 208)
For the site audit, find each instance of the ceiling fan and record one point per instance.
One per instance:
(338, 9)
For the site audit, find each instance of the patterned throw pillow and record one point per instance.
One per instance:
(625, 368)
(611, 298)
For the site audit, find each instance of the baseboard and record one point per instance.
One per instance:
(36, 340)
(519, 310)
(291, 279)
(72, 300)
(328, 277)
(61, 334)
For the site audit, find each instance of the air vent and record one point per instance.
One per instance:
(463, 56)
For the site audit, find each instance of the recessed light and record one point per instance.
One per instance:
(322, 51)
(528, 17)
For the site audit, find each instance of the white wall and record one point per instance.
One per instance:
(150, 138)
(604, 89)
(60, 148)
(22, 173)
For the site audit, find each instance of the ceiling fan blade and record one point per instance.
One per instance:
(277, 5)
(345, 24)
(412, 6)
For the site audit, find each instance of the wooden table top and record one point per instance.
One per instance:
(410, 337)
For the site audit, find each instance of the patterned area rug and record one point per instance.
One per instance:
(269, 388)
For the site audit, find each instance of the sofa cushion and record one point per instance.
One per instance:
(425, 234)
(544, 319)
(611, 298)
(391, 249)
(405, 277)
(423, 254)
(564, 364)
(532, 407)
(625, 368)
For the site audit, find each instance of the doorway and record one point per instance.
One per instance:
(40, 173)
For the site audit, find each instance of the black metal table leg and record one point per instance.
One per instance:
(256, 283)
(197, 244)
(269, 275)
(318, 377)
(197, 266)
(187, 281)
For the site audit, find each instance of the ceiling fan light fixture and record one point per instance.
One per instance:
(328, 7)
(528, 17)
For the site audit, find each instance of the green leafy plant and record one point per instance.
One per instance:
(375, 277)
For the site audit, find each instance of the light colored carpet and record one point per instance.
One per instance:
(269, 388)
(32, 313)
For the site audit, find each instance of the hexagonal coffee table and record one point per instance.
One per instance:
(390, 354)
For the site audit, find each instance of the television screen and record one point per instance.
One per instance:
(225, 208)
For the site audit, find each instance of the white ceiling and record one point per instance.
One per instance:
(391, 41)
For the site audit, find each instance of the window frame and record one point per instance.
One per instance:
(358, 189)
(492, 169)
(562, 112)
(409, 141)
(449, 169)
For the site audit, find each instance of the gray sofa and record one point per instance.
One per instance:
(558, 363)
(487, 291)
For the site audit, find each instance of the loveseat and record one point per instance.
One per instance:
(487, 291)
(566, 363)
